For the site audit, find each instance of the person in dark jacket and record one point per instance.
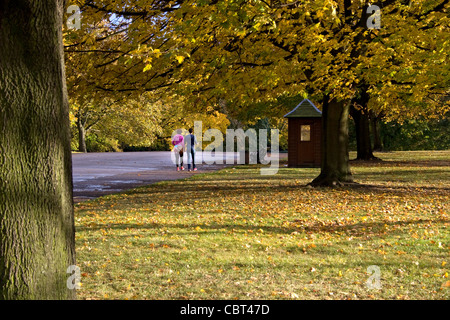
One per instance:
(191, 141)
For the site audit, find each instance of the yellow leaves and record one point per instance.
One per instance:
(157, 53)
(180, 59)
(89, 39)
(320, 14)
(285, 294)
(147, 67)
(337, 20)
(327, 224)
(256, 26)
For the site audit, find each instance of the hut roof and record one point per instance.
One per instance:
(305, 109)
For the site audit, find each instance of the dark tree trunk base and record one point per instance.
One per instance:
(368, 158)
(325, 180)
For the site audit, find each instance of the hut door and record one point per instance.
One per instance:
(305, 144)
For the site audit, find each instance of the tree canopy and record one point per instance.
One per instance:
(251, 51)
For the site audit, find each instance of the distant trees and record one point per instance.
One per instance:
(117, 123)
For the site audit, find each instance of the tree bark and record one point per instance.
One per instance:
(335, 168)
(37, 238)
(364, 149)
(377, 144)
(81, 135)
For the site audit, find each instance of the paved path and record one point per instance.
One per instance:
(98, 174)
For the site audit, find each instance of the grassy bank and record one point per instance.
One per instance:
(235, 234)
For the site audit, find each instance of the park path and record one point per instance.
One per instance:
(98, 174)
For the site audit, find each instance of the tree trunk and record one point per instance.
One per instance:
(377, 144)
(81, 135)
(362, 125)
(37, 243)
(334, 166)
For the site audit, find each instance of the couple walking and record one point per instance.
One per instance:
(179, 146)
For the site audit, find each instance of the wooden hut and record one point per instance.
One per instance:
(304, 135)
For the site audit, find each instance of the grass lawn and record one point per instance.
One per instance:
(236, 234)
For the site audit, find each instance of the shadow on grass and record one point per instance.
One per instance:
(202, 189)
(396, 190)
(356, 230)
(400, 163)
(400, 173)
(363, 228)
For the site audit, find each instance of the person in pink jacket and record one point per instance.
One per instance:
(178, 143)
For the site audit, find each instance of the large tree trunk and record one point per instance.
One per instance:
(334, 166)
(81, 135)
(37, 242)
(364, 149)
